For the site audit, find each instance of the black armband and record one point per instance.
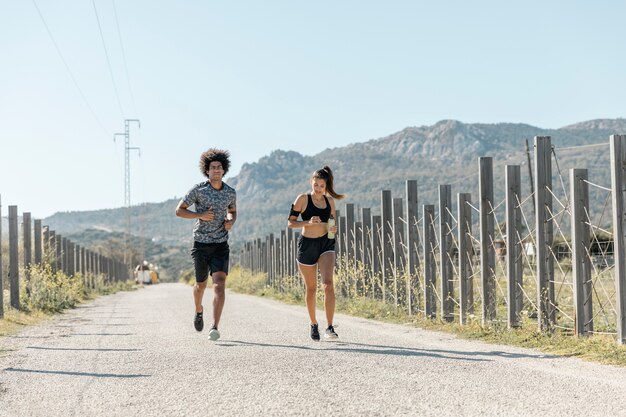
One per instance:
(294, 212)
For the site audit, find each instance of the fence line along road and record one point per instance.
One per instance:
(39, 246)
(541, 258)
(137, 353)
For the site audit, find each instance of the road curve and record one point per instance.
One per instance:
(137, 354)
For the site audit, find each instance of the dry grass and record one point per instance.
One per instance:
(352, 300)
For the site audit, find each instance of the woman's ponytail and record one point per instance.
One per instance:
(326, 174)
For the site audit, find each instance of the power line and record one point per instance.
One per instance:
(127, 203)
(67, 67)
(119, 35)
(106, 54)
(584, 146)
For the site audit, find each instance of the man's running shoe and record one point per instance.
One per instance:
(330, 333)
(198, 322)
(315, 332)
(214, 334)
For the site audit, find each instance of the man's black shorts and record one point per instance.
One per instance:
(310, 249)
(209, 258)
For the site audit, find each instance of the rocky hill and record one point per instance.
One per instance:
(445, 153)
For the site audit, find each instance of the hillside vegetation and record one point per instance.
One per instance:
(445, 153)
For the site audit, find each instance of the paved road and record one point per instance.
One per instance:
(136, 354)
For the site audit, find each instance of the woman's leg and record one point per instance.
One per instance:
(327, 265)
(309, 273)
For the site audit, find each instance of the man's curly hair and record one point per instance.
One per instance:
(213, 155)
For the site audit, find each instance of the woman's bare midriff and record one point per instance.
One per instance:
(315, 231)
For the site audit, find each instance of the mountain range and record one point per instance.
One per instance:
(444, 153)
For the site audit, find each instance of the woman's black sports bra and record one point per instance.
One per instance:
(311, 210)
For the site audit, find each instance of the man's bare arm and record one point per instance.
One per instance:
(183, 211)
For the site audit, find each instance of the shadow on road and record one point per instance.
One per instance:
(40, 371)
(31, 337)
(92, 324)
(69, 335)
(458, 352)
(85, 349)
(393, 350)
(102, 334)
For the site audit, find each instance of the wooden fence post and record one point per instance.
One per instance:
(377, 258)
(430, 269)
(27, 233)
(581, 245)
(91, 265)
(366, 244)
(399, 256)
(359, 272)
(264, 268)
(53, 251)
(277, 277)
(14, 259)
(464, 229)
(258, 255)
(514, 267)
(412, 260)
(38, 240)
(618, 185)
(487, 249)
(349, 242)
(544, 230)
(66, 256)
(77, 266)
(386, 241)
(71, 258)
(59, 252)
(350, 260)
(341, 241)
(283, 253)
(83, 264)
(46, 242)
(256, 258)
(270, 259)
(291, 253)
(445, 253)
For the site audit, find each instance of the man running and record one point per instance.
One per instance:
(215, 213)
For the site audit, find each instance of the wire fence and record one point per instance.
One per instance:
(543, 257)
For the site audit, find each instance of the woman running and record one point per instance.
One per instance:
(315, 249)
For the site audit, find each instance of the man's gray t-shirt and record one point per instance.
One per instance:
(205, 197)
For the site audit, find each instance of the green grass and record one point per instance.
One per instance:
(597, 348)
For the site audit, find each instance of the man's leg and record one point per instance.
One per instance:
(201, 272)
(219, 295)
(198, 293)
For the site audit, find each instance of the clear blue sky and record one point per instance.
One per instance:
(255, 76)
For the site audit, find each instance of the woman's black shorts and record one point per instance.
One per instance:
(310, 249)
(209, 258)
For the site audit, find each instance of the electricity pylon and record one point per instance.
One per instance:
(127, 148)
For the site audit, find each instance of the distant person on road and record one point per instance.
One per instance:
(142, 274)
(215, 213)
(315, 248)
